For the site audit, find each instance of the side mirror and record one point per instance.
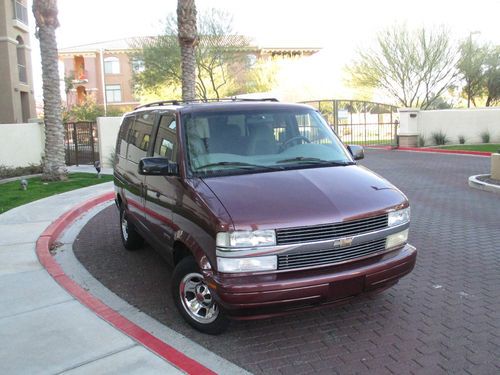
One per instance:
(356, 151)
(157, 167)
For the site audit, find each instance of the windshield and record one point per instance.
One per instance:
(253, 141)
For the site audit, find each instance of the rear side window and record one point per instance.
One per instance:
(139, 136)
(166, 139)
(121, 141)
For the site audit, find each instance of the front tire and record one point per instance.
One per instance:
(194, 299)
(130, 238)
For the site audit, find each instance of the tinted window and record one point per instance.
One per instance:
(139, 136)
(121, 141)
(166, 139)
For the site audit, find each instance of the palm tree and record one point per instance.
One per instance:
(186, 24)
(45, 12)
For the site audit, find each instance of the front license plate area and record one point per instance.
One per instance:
(346, 288)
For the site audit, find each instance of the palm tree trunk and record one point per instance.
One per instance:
(186, 24)
(54, 167)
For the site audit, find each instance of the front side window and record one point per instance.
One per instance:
(255, 141)
(113, 93)
(166, 139)
(111, 65)
(121, 141)
(139, 136)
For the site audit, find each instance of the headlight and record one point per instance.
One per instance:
(242, 238)
(396, 239)
(399, 217)
(250, 264)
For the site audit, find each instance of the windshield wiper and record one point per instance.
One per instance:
(239, 165)
(306, 160)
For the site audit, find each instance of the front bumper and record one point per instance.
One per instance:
(253, 296)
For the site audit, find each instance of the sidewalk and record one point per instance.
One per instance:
(43, 329)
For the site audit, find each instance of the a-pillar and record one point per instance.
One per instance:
(408, 127)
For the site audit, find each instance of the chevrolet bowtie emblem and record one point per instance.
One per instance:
(343, 242)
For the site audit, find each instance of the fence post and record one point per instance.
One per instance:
(336, 116)
(91, 133)
(75, 141)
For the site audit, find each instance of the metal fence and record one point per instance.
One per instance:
(81, 143)
(360, 122)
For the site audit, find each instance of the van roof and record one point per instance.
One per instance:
(220, 105)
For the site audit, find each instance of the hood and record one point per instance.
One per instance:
(310, 196)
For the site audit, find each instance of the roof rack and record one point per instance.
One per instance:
(180, 101)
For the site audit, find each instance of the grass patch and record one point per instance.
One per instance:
(12, 196)
(490, 147)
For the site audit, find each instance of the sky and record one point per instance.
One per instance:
(339, 27)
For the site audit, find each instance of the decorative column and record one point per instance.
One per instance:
(495, 166)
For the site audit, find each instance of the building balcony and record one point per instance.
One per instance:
(80, 77)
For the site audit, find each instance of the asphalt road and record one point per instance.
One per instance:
(442, 318)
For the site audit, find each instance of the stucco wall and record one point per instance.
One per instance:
(21, 144)
(469, 123)
(108, 128)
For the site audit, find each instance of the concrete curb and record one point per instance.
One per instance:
(481, 185)
(48, 239)
(443, 151)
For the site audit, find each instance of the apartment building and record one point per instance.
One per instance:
(105, 69)
(102, 70)
(17, 102)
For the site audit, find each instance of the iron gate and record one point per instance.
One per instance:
(360, 122)
(81, 143)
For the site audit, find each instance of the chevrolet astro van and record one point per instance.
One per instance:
(258, 206)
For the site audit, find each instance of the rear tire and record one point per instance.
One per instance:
(130, 238)
(194, 299)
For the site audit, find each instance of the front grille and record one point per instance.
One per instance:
(330, 256)
(330, 231)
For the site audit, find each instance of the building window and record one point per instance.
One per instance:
(113, 93)
(251, 60)
(137, 65)
(111, 65)
(21, 60)
(20, 12)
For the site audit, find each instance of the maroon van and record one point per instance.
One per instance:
(258, 206)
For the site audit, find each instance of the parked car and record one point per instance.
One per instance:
(258, 206)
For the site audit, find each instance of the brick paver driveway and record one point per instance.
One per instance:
(442, 318)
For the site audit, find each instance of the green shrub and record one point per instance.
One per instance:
(421, 141)
(7, 172)
(439, 138)
(461, 139)
(89, 110)
(485, 136)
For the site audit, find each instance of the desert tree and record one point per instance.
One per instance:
(492, 76)
(471, 67)
(414, 67)
(219, 57)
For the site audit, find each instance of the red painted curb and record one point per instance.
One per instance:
(442, 151)
(43, 245)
